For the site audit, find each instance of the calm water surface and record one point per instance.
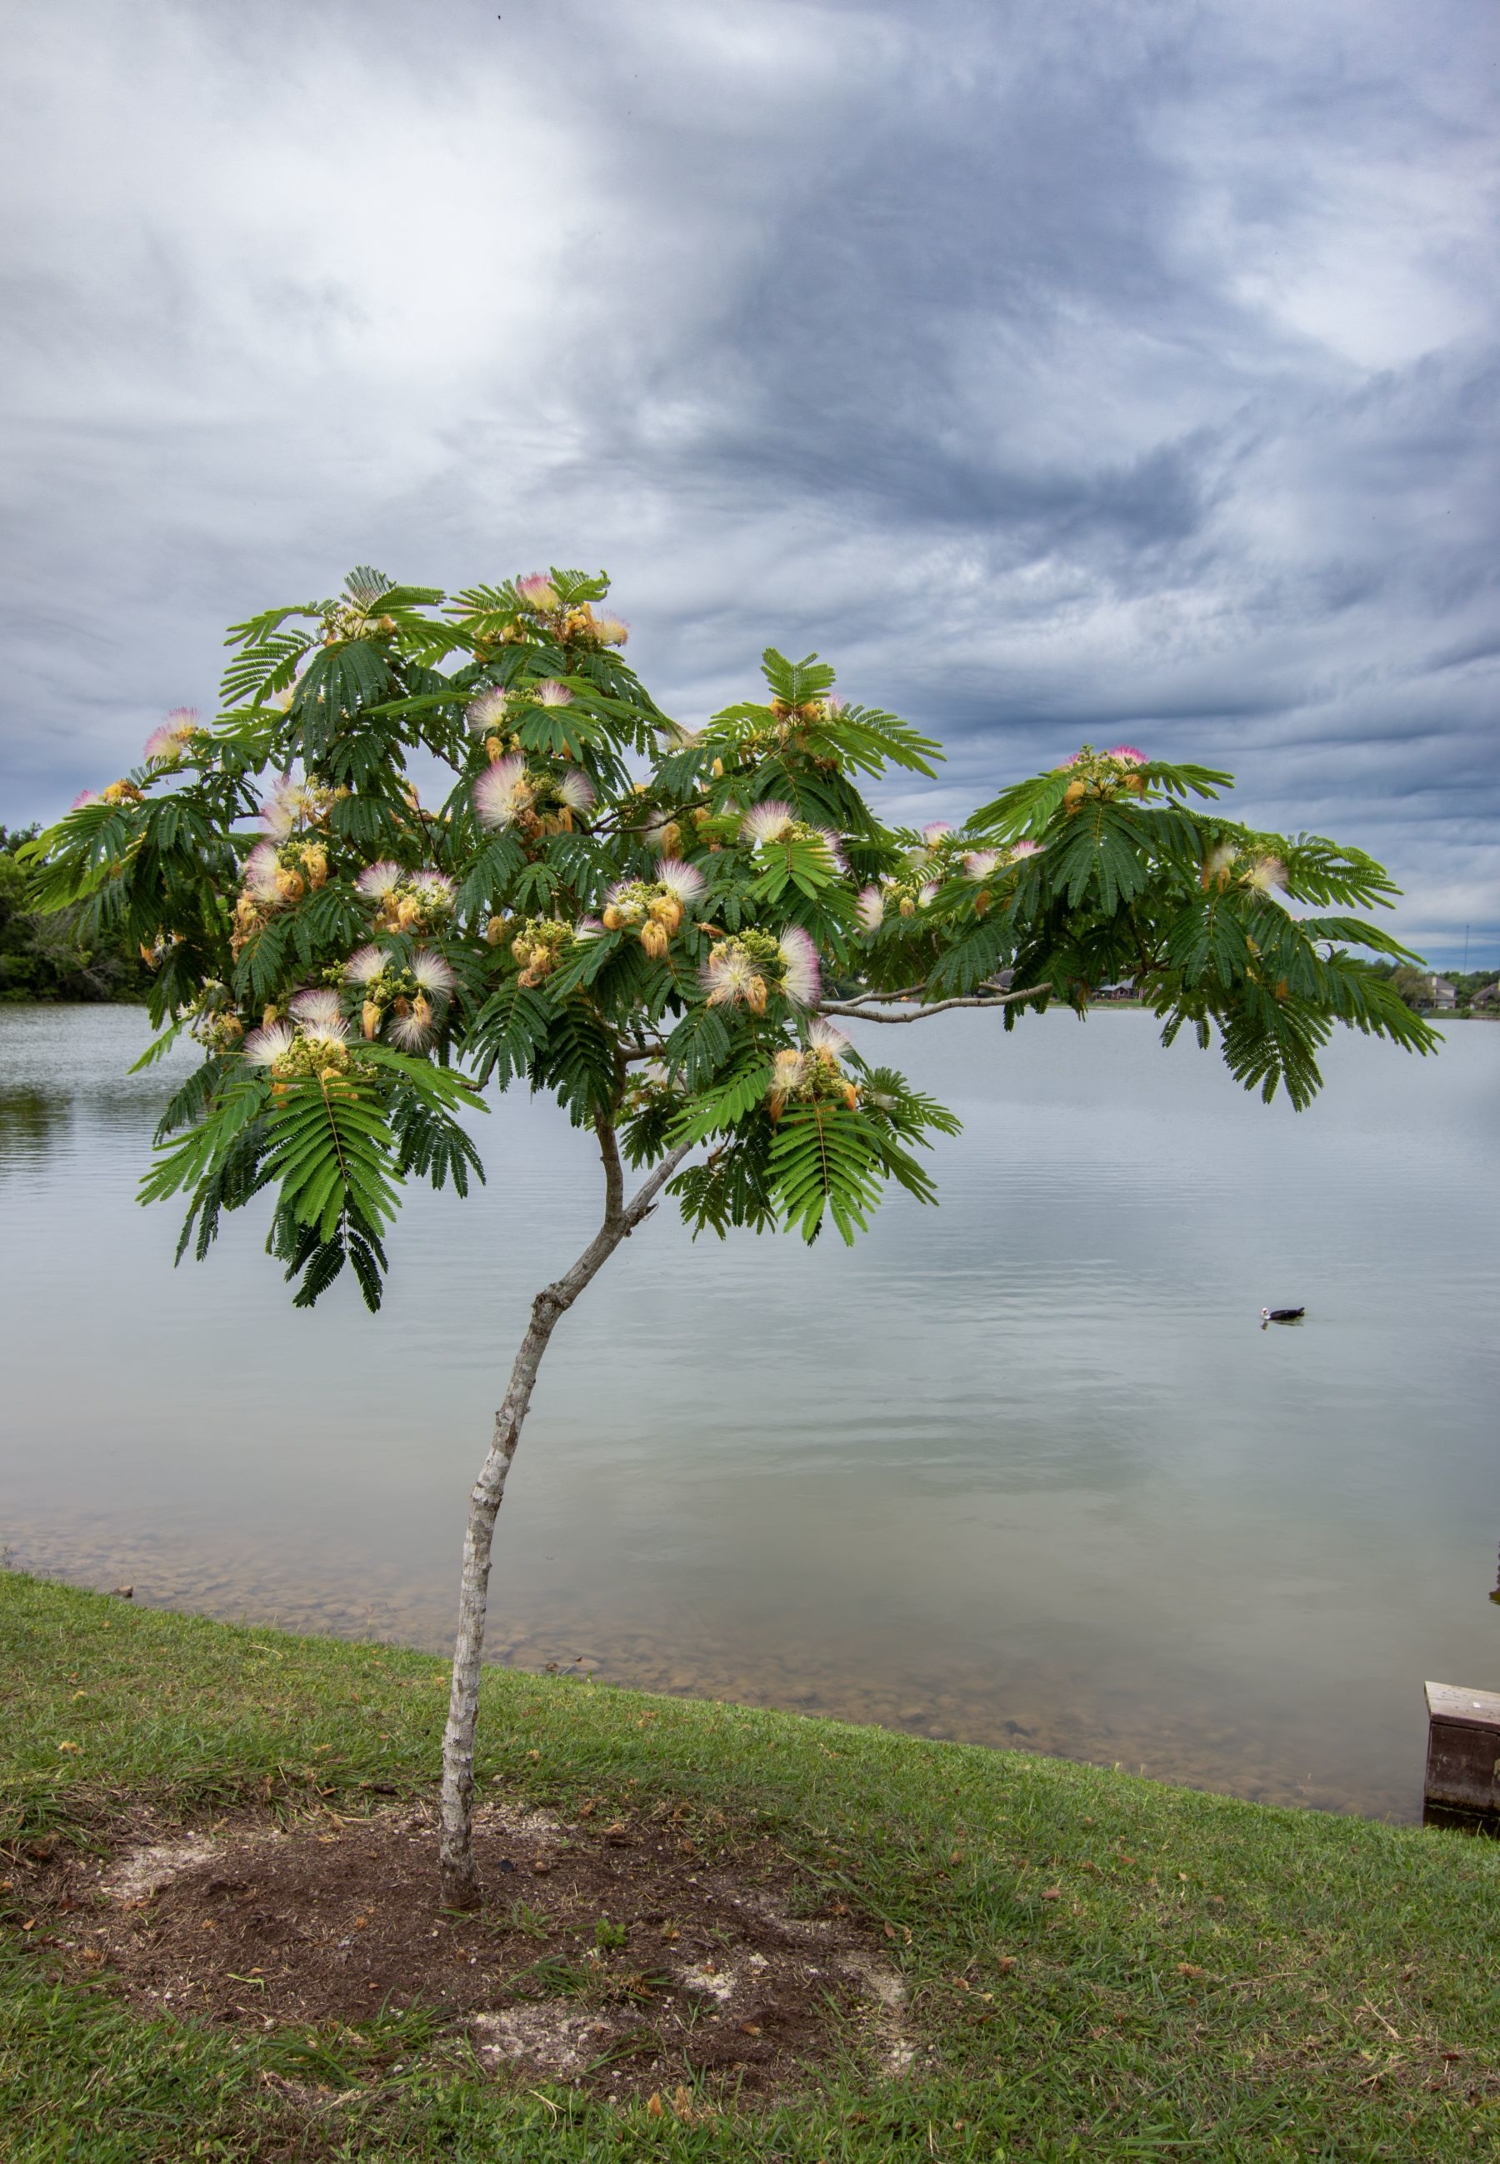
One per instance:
(1023, 1469)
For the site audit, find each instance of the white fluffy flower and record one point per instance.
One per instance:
(575, 790)
(365, 965)
(766, 822)
(549, 692)
(487, 711)
(683, 880)
(264, 1046)
(318, 1009)
(412, 1032)
(822, 1036)
(432, 971)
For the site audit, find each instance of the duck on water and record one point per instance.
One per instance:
(1281, 1314)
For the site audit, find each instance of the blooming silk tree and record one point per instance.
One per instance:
(664, 930)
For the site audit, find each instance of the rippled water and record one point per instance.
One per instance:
(1021, 1469)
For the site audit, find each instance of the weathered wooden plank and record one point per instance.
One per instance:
(1463, 1749)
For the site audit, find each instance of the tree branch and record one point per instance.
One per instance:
(614, 1175)
(857, 1013)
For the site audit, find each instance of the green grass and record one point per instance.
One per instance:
(1171, 1975)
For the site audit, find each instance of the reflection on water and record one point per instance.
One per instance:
(1024, 1469)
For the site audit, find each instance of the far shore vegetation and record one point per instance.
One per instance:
(52, 957)
(1063, 1962)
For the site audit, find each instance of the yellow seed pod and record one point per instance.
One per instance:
(851, 1095)
(494, 748)
(1073, 796)
(421, 1010)
(667, 910)
(717, 769)
(494, 931)
(755, 997)
(670, 839)
(654, 938)
(908, 906)
(981, 901)
(613, 919)
(290, 885)
(315, 865)
(369, 1018)
(268, 1014)
(523, 951)
(409, 913)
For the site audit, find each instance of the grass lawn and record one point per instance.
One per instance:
(1095, 1966)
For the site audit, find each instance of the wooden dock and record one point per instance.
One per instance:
(1463, 1758)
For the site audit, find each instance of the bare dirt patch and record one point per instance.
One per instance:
(612, 1953)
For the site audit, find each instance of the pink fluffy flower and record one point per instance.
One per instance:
(869, 910)
(261, 867)
(376, 881)
(1126, 754)
(180, 726)
(502, 792)
(935, 832)
(979, 863)
(537, 591)
(611, 631)
(576, 790)
(1025, 849)
(802, 977)
(549, 692)
(84, 796)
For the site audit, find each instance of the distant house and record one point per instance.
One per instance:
(1125, 989)
(1443, 993)
(1488, 996)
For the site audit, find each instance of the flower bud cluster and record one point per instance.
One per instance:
(746, 968)
(277, 875)
(1102, 774)
(533, 799)
(412, 902)
(765, 825)
(538, 944)
(654, 908)
(542, 608)
(1233, 863)
(410, 998)
(812, 1075)
(314, 1051)
(940, 855)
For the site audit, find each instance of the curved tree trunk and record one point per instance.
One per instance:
(460, 1882)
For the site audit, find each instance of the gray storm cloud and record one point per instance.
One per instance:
(1057, 371)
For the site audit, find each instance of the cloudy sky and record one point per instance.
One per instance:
(1059, 369)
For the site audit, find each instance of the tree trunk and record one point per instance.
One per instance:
(460, 1882)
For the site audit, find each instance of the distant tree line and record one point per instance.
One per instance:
(1415, 985)
(46, 957)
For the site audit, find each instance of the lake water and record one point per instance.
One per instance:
(1023, 1469)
